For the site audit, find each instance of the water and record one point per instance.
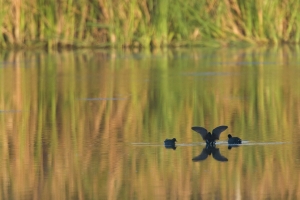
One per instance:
(90, 124)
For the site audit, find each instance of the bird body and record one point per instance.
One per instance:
(170, 142)
(210, 138)
(234, 140)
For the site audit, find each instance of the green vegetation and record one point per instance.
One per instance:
(145, 23)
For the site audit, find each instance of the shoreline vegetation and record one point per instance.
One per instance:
(146, 23)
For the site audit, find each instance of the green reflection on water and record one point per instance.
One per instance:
(91, 124)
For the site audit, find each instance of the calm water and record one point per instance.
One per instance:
(90, 124)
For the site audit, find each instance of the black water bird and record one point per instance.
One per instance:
(208, 150)
(234, 140)
(210, 138)
(170, 143)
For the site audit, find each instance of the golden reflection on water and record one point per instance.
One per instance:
(91, 124)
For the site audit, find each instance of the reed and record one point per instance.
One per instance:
(146, 23)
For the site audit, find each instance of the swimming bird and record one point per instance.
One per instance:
(210, 150)
(209, 138)
(234, 140)
(170, 143)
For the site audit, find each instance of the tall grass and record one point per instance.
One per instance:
(145, 23)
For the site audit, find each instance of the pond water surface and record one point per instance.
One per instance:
(91, 124)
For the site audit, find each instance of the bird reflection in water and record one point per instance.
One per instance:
(208, 150)
(230, 146)
(171, 147)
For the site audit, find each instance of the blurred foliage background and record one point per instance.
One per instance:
(145, 23)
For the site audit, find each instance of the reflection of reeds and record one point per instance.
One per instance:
(144, 22)
(60, 146)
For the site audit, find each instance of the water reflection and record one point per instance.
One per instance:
(210, 150)
(171, 147)
(230, 146)
(72, 138)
